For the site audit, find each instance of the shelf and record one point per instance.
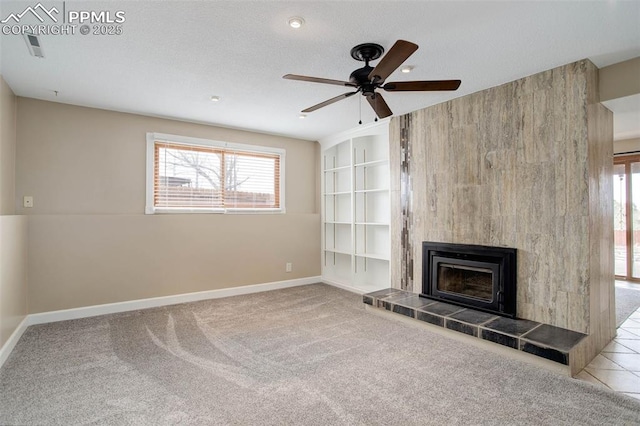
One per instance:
(355, 181)
(373, 256)
(370, 206)
(362, 191)
(337, 169)
(372, 163)
(336, 251)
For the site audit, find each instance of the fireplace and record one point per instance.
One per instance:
(473, 276)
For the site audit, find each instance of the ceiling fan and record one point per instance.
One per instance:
(367, 79)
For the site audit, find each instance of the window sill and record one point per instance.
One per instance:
(182, 210)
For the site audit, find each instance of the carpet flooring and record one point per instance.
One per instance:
(627, 302)
(308, 355)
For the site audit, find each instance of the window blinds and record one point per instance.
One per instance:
(214, 178)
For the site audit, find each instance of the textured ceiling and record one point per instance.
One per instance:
(173, 56)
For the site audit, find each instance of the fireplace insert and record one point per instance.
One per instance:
(473, 276)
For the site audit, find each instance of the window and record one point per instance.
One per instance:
(626, 216)
(198, 175)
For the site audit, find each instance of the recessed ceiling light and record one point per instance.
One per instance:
(296, 22)
(215, 98)
(406, 69)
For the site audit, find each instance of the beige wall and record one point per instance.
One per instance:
(13, 274)
(13, 229)
(526, 165)
(626, 146)
(620, 80)
(7, 148)
(76, 160)
(89, 240)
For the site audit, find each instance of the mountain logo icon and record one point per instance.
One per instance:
(39, 11)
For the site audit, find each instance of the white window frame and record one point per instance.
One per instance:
(152, 138)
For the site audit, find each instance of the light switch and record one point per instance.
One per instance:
(28, 201)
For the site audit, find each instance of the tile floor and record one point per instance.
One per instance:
(618, 365)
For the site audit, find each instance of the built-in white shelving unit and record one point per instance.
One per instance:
(355, 209)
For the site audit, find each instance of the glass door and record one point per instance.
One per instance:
(626, 217)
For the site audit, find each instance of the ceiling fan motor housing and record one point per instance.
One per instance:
(365, 52)
(360, 77)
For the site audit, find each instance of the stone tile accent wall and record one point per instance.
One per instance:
(527, 165)
(406, 195)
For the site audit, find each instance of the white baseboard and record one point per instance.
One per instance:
(8, 346)
(352, 289)
(132, 305)
(343, 286)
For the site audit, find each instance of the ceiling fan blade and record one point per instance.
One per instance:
(318, 80)
(418, 86)
(398, 53)
(379, 105)
(330, 101)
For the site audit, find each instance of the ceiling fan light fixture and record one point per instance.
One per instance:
(302, 116)
(296, 22)
(214, 98)
(407, 69)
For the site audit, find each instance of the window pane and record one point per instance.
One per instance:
(635, 218)
(620, 219)
(214, 177)
(187, 177)
(251, 180)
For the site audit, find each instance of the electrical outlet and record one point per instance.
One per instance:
(27, 201)
(288, 267)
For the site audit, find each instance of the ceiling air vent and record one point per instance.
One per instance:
(33, 43)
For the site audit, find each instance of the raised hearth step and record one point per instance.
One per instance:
(543, 340)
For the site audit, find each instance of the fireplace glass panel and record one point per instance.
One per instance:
(466, 280)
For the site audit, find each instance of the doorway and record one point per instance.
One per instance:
(626, 217)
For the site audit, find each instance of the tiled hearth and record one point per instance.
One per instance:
(546, 341)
